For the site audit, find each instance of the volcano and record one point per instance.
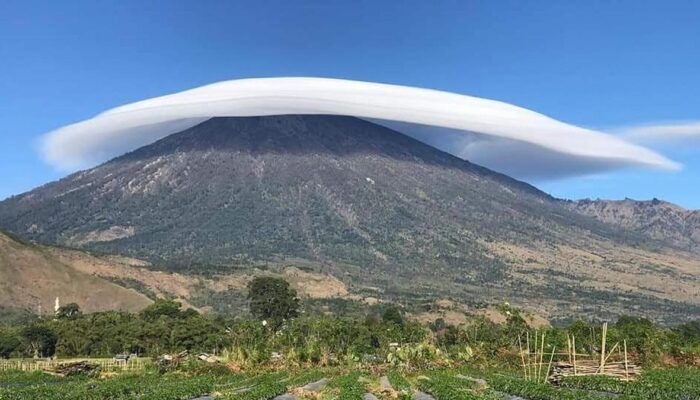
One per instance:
(342, 195)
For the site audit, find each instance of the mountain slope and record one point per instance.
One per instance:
(391, 216)
(32, 277)
(657, 219)
(316, 187)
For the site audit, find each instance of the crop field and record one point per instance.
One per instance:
(340, 384)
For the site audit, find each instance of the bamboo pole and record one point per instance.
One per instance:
(522, 356)
(611, 351)
(619, 351)
(527, 337)
(573, 344)
(539, 369)
(602, 368)
(549, 366)
(626, 370)
(536, 348)
(602, 347)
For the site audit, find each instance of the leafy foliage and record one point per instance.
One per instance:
(443, 384)
(535, 390)
(164, 308)
(392, 314)
(41, 339)
(350, 386)
(323, 340)
(9, 342)
(69, 311)
(127, 387)
(666, 384)
(447, 386)
(272, 300)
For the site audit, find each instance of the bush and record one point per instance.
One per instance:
(9, 343)
(392, 314)
(40, 339)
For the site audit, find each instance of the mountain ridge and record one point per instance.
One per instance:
(657, 219)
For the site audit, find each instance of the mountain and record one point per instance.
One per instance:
(31, 277)
(657, 219)
(391, 217)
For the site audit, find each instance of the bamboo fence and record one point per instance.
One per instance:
(539, 366)
(106, 364)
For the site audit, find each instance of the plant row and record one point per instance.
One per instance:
(660, 384)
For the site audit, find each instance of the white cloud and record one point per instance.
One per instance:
(667, 133)
(495, 134)
(518, 159)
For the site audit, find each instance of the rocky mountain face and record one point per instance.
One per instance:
(392, 217)
(655, 218)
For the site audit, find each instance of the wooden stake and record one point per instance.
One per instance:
(539, 370)
(549, 366)
(611, 351)
(534, 366)
(535, 349)
(522, 356)
(573, 344)
(626, 371)
(602, 347)
(568, 347)
(528, 354)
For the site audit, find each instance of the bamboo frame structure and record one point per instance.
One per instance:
(613, 362)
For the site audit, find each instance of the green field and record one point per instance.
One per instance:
(457, 383)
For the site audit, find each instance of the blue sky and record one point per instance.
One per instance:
(596, 64)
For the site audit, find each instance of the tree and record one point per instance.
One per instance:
(69, 311)
(41, 340)
(690, 331)
(9, 343)
(641, 335)
(272, 300)
(161, 307)
(392, 314)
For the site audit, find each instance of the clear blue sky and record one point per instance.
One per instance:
(592, 63)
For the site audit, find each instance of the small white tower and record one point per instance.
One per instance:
(57, 305)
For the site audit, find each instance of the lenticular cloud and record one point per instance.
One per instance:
(498, 135)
